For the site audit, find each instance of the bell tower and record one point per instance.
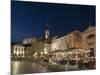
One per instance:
(47, 32)
(47, 45)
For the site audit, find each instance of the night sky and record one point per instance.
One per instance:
(28, 19)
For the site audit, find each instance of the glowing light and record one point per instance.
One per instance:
(41, 53)
(14, 52)
(23, 56)
(46, 36)
(45, 51)
(23, 52)
(63, 54)
(35, 53)
(17, 53)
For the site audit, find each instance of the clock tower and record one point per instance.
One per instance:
(47, 32)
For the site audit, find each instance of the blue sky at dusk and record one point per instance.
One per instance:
(28, 19)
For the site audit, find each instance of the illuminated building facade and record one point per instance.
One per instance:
(84, 40)
(89, 40)
(17, 51)
(28, 42)
(71, 40)
(75, 44)
(42, 46)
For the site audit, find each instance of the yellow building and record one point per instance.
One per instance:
(71, 40)
(75, 45)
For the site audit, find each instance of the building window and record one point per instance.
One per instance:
(91, 36)
(68, 46)
(92, 52)
(91, 44)
(16, 49)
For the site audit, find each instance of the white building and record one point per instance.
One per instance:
(18, 50)
(29, 40)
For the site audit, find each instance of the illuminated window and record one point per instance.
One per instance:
(23, 52)
(17, 53)
(14, 51)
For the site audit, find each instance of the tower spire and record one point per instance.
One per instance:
(46, 27)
